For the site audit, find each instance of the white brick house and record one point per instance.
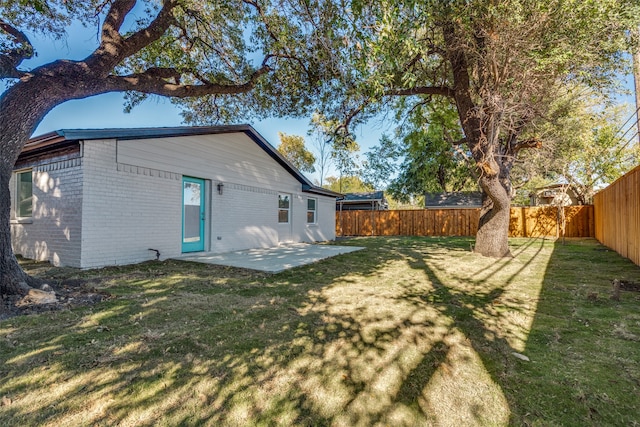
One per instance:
(91, 198)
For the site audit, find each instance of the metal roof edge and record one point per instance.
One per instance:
(320, 191)
(62, 135)
(42, 142)
(139, 133)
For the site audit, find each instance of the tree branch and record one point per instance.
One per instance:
(423, 90)
(115, 18)
(155, 81)
(153, 31)
(452, 141)
(529, 143)
(114, 48)
(10, 60)
(344, 126)
(274, 37)
(111, 40)
(433, 50)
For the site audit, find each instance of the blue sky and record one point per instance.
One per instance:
(106, 111)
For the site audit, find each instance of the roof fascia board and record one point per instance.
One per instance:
(320, 191)
(54, 138)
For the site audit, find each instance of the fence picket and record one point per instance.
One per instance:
(617, 216)
(525, 222)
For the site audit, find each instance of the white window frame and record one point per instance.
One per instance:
(313, 211)
(17, 198)
(281, 208)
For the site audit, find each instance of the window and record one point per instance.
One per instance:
(284, 206)
(24, 194)
(311, 210)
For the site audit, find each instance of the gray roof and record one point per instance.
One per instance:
(469, 199)
(139, 133)
(62, 137)
(555, 186)
(362, 197)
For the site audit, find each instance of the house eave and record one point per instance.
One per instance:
(56, 139)
(320, 191)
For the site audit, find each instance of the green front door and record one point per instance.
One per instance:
(193, 214)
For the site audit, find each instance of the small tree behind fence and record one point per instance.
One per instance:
(617, 214)
(525, 222)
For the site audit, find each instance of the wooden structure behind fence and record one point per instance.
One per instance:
(525, 222)
(617, 214)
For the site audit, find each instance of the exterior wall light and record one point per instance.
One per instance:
(220, 187)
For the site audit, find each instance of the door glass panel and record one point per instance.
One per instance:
(192, 197)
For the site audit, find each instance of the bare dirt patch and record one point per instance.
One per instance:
(64, 294)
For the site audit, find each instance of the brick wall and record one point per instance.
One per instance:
(245, 214)
(243, 217)
(325, 228)
(127, 209)
(54, 232)
(104, 208)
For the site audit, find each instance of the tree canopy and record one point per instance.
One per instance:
(224, 59)
(423, 159)
(588, 144)
(293, 149)
(501, 64)
(347, 184)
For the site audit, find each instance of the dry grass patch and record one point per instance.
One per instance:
(410, 331)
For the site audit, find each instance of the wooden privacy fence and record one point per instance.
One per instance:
(552, 221)
(525, 222)
(617, 213)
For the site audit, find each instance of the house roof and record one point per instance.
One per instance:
(554, 186)
(470, 199)
(63, 137)
(362, 197)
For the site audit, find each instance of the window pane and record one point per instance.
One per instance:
(283, 215)
(311, 217)
(311, 204)
(311, 211)
(283, 201)
(25, 194)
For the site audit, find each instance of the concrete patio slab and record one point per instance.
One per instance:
(272, 260)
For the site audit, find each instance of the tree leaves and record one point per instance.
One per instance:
(293, 149)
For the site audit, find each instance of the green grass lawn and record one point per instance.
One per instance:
(409, 331)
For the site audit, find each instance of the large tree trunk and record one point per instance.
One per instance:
(481, 123)
(22, 107)
(492, 239)
(36, 92)
(13, 280)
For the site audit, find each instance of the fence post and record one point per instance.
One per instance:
(373, 223)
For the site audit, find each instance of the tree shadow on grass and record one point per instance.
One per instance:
(347, 347)
(388, 336)
(585, 369)
(485, 351)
